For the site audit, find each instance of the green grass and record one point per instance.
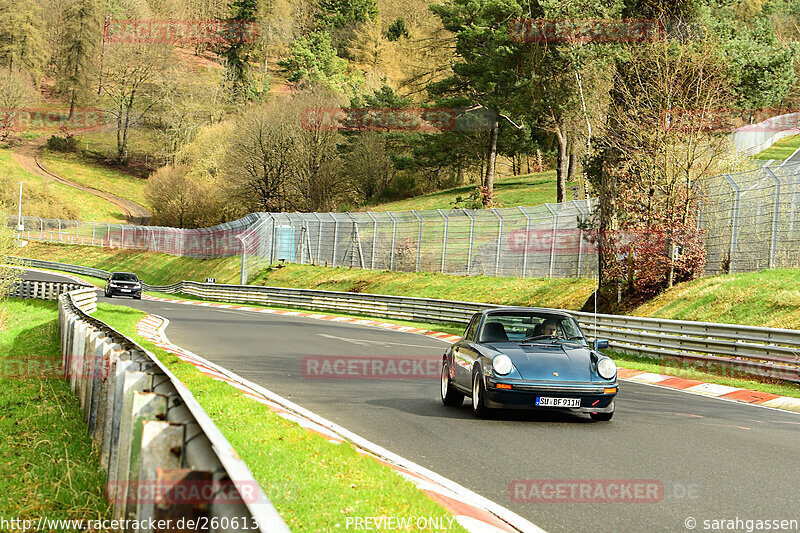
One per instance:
(525, 190)
(47, 466)
(153, 268)
(314, 484)
(770, 298)
(781, 149)
(77, 169)
(49, 199)
(569, 293)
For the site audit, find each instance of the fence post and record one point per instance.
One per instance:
(499, 241)
(319, 236)
(775, 215)
(41, 228)
(734, 221)
(527, 241)
(374, 239)
(444, 240)
(59, 230)
(394, 238)
(335, 238)
(471, 236)
(419, 237)
(552, 239)
(580, 237)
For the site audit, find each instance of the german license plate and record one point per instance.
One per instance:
(544, 401)
(125, 290)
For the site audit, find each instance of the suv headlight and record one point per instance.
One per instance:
(607, 368)
(502, 365)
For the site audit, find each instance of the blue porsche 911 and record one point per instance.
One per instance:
(529, 358)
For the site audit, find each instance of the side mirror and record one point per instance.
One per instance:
(600, 344)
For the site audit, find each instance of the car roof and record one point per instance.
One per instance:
(131, 273)
(531, 309)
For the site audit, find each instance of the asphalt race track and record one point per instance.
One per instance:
(714, 459)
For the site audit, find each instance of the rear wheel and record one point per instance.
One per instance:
(479, 408)
(450, 396)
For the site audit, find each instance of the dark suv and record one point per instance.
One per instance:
(124, 284)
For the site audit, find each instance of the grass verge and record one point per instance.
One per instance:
(781, 149)
(48, 467)
(50, 199)
(80, 170)
(314, 484)
(526, 190)
(567, 293)
(769, 298)
(153, 268)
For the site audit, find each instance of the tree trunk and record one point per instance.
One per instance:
(573, 166)
(488, 182)
(562, 166)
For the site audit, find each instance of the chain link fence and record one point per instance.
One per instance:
(751, 221)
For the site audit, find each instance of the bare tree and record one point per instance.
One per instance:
(132, 72)
(259, 156)
(318, 182)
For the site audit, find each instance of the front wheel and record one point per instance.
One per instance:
(602, 417)
(479, 408)
(108, 295)
(450, 396)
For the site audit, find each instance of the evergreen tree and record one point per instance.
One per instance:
(79, 41)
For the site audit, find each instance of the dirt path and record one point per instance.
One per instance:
(27, 156)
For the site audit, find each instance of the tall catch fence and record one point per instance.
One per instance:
(751, 221)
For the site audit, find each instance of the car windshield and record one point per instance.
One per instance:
(124, 276)
(530, 326)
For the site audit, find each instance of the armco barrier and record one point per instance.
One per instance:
(41, 290)
(767, 352)
(165, 458)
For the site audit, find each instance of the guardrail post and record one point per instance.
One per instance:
(499, 241)
(147, 406)
(444, 240)
(419, 237)
(734, 222)
(394, 238)
(161, 445)
(132, 381)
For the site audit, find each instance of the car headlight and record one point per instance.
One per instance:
(502, 365)
(607, 368)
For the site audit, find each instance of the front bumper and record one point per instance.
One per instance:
(118, 291)
(523, 396)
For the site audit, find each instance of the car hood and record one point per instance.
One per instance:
(550, 362)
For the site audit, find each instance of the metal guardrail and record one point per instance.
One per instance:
(42, 290)
(61, 267)
(165, 458)
(766, 352)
